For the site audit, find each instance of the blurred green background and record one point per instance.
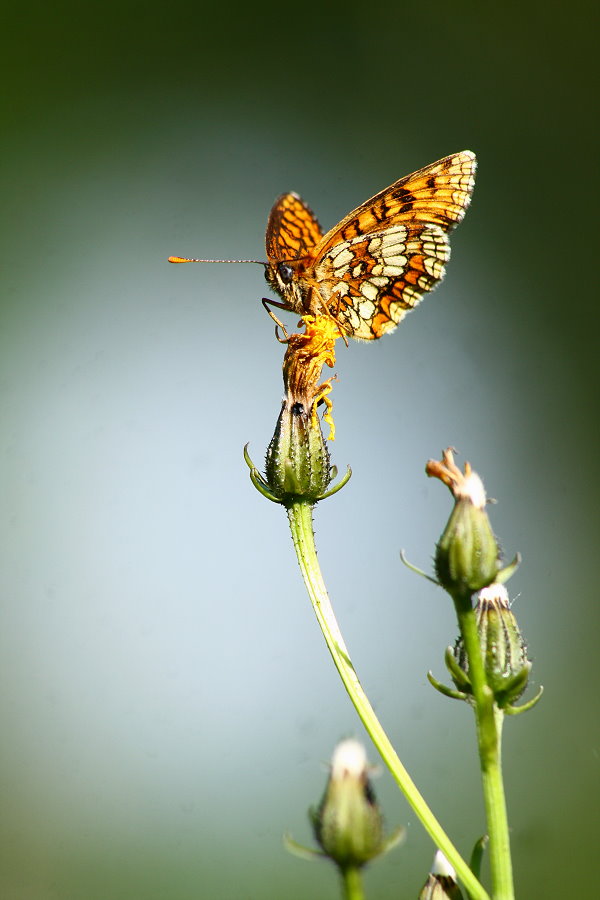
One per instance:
(166, 700)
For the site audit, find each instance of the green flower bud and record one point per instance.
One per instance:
(297, 462)
(502, 646)
(348, 823)
(441, 883)
(467, 555)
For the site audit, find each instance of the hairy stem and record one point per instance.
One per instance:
(352, 884)
(301, 525)
(489, 721)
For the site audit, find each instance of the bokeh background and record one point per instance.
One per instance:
(166, 701)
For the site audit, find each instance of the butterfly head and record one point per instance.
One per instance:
(285, 278)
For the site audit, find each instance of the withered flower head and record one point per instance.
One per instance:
(465, 485)
(305, 356)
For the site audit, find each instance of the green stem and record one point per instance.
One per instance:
(300, 518)
(489, 721)
(352, 884)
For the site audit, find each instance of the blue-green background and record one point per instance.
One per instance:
(166, 701)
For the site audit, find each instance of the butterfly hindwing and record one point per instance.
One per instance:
(437, 194)
(372, 281)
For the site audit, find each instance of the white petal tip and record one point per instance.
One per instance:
(349, 759)
(442, 867)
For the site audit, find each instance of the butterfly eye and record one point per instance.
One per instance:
(286, 273)
(297, 409)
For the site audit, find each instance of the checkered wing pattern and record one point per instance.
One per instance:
(292, 230)
(377, 263)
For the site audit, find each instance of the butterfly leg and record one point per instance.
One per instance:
(278, 323)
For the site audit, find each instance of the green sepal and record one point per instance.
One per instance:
(296, 849)
(458, 673)
(444, 689)
(524, 707)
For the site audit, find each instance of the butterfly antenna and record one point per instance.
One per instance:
(184, 259)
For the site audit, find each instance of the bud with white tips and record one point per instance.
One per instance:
(503, 649)
(348, 823)
(441, 882)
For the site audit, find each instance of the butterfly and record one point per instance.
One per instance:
(375, 265)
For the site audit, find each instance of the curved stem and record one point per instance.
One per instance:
(300, 518)
(489, 721)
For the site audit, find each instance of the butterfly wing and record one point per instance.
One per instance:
(293, 231)
(437, 194)
(374, 266)
(372, 281)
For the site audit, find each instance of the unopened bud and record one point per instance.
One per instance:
(297, 462)
(441, 882)
(348, 823)
(503, 649)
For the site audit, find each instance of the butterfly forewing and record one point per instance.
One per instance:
(292, 230)
(437, 194)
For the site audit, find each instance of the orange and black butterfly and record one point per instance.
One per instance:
(375, 265)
